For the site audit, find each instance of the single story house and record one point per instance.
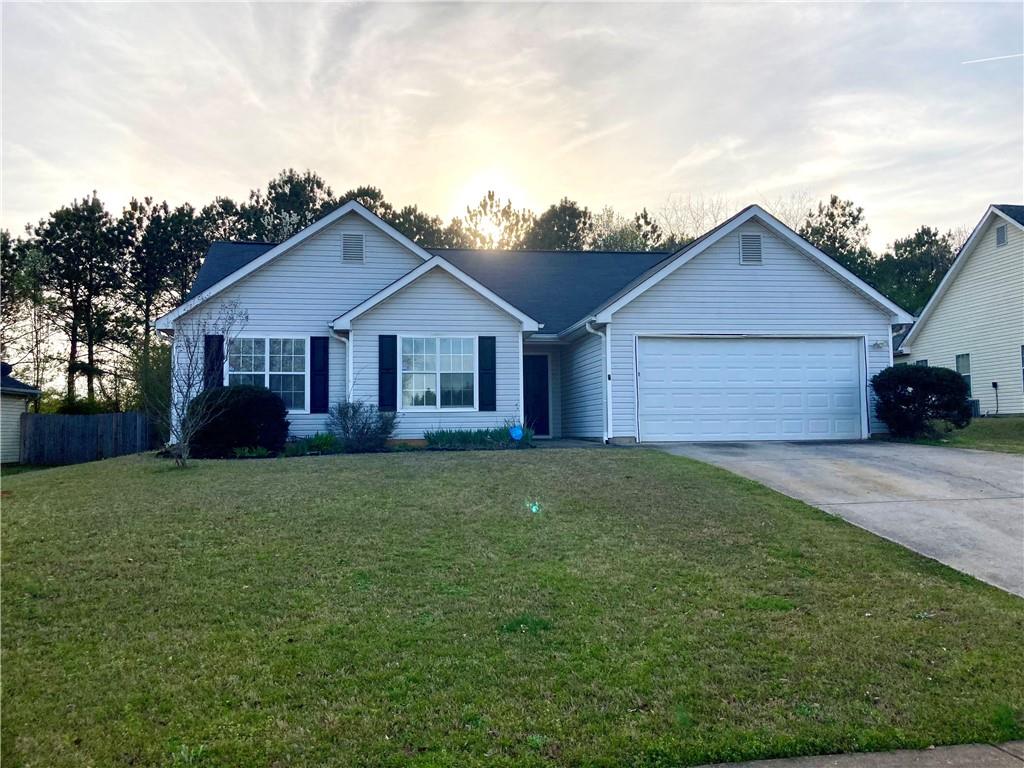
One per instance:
(14, 400)
(974, 322)
(747, 333)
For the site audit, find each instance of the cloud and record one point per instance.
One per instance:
(604, 103)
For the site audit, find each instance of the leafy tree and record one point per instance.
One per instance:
(614, 232)
(292, 202)
(222, 220)
(838, 229)
(372, 199)
(82, 248)
(562, 227)
(146, 271)
(913, 269)
(418, 226)
(186, 232)
(493, 224)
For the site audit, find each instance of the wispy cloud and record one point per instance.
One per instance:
(435, 102)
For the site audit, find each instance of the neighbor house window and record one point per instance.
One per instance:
(963, 367)
(277, 364)
(921, 362)
(439, 372)
(1022, 365)
(1001, 235)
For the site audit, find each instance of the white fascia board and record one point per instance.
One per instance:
(165, 322)
(344, 322)
(952, 272)
(899, 315)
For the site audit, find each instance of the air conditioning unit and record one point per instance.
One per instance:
(975, 408)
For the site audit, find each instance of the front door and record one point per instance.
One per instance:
(535, 394)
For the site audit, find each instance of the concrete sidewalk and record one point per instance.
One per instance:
(1010, 755)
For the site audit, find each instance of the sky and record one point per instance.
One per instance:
(609, 104)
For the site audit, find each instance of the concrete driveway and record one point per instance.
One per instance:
(963, 508)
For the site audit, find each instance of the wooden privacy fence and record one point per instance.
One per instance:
(50, 439)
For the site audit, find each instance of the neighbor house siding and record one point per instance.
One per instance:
(10, 427)
(437, 304)
(583, 388)
(303, 290)
(713, 294)
(981, 314)
(554, 353)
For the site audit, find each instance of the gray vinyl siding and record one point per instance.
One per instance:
(10, 427)
(437, 304)
(301, 292)
(554, 353)
(713, 294)
(982, 314)
(583, 390)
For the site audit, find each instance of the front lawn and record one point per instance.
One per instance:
(991, 433)
(409, 609)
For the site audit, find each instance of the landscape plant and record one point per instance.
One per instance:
(360, 427)
(910, 397)
(493, 438)
(241, 417)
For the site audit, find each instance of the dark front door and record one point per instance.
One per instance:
(535, 393)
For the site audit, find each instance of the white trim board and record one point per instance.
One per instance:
(899, 315)
(166, 322)
(952, 272)
(344, 322)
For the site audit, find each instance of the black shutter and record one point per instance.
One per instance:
(319, 374)
(387, 373)
(213, 361)
(487, 374)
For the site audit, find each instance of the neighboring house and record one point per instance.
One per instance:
(14, 399)
(748, 332)
(974, 322)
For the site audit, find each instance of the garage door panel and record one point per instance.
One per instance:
(736, 389)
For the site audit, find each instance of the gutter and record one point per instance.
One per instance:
(589, 326)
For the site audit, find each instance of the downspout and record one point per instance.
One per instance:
(607, 375)
(348, 361)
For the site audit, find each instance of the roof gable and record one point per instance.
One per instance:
(344, 321)
(1008, 213)
(698, 246)
(257, 261)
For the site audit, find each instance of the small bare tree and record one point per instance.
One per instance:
(173, 407)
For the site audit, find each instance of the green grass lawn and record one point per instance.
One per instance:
(992, 433)
(408, 609)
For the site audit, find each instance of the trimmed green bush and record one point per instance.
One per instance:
(911, 396)
(496, 438)
(238, 417)
(360, 427)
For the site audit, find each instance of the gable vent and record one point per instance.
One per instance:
(352, 247)
(750, 249)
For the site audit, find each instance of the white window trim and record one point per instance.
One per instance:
(266, 360)
(1006, 236)
(970, 379)
(437, 408)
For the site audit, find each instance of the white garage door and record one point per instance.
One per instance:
(749, 389)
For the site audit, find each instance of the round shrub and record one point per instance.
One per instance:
(240, 417)
(911, 396)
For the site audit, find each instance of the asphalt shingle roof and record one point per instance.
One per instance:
(1015, 212)
(555, 288)
(221, 260)
(10, 385)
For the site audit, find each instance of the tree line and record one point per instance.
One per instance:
(82, 287)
